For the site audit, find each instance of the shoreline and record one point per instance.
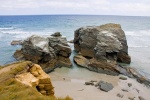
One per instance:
(75, 87)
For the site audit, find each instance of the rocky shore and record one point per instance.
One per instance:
(99, 49)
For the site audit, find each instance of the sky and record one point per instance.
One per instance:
(84, 7)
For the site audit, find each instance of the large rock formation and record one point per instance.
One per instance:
(100, 47)
(36, 78)
(49, 52)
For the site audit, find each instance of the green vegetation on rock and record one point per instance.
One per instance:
(11, 89)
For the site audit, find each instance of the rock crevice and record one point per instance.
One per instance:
(36, 78)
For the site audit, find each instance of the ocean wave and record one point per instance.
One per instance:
(138, 33)
(132, 33)
(138, 46)
(7, 28)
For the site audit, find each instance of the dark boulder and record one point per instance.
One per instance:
(56, 34)
(49, 52)
(104, 86)
(100, 48)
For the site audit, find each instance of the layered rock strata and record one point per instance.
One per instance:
(36, 78)
(49, 52)
(101, 47)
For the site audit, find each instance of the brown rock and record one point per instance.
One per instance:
(16, 42)
(37, 78)
(123, 57)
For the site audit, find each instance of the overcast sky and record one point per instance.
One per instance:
(96, 7)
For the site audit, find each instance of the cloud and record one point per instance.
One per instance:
(109, 7)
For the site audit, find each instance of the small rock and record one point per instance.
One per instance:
(89, 83)
(71, 41)
(64, 79)
(137, 90)
(131, 98)
(141, 98)
(129, 84)
(16, 42)
(81, 90)
(123, 78)
(125, 90)
(56, 34)
(105, 86)
(93, 81)
(120, 95)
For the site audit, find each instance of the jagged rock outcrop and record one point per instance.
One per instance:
(36, 78)
(100, 48)
(49, 52)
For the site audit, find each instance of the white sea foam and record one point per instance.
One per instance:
(132, 33)
(138, 46)
(6, 28)
(138, 33)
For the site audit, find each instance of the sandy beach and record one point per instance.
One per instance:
(74, 86)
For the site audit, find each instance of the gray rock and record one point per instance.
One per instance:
(105, 86)
(49, 52)
(141, 98)
(129, 84)
(120, 95)
(101, 47)
(89, 83)
(131, 98)
(123, 78)
(125, 90)
(107, 42)
(56, 34)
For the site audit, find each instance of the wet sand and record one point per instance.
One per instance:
(72, 84)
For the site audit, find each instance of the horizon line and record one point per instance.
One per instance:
(73, 15)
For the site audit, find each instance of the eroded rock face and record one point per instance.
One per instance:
(49, 52)
(36, 78)
(100, 48)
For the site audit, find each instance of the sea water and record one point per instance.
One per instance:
(137, 30)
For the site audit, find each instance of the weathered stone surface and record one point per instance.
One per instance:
(36, 78)
(49, 52)
(104, 86)
(107, 42)
(100, 48)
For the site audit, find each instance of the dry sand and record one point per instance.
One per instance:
(73, 86)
